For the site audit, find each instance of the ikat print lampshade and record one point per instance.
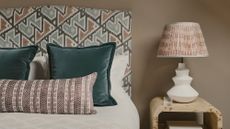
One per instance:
(182, 39)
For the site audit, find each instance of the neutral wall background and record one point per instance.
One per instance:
(151, 75)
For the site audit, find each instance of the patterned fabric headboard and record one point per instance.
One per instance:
(67, 26)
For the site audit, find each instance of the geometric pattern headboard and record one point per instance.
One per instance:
(67, 26)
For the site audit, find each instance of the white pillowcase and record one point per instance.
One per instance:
(117, 73)
(39, 68)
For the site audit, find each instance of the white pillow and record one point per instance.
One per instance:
(39, 68)
(119, 65)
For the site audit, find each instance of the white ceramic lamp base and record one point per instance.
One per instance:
(182, 91)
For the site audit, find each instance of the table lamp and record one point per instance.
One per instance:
(179, 40)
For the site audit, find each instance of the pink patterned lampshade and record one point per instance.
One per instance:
(182, 39)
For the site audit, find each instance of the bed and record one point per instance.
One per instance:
(71, 27)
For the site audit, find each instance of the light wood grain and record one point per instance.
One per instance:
(212, 116)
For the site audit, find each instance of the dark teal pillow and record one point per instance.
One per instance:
(66, 62)
(15, 62)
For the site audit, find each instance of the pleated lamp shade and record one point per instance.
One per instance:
(182, 39)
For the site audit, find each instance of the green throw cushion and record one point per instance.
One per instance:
(66, 62)
(15, 62)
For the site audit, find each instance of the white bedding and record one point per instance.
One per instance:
(122, 116)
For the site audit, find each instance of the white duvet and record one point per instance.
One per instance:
(122, 116)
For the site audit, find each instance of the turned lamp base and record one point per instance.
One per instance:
(182, 91)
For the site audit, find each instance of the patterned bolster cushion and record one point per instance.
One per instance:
(60, 96)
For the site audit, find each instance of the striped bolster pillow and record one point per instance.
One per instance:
(60, 96)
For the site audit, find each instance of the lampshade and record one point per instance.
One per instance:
(182, 39)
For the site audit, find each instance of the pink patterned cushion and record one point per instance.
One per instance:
(61, 96)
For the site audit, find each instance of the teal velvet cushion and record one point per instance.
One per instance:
(15, 62)
(66, 62)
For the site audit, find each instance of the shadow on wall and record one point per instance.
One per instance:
(155, 82)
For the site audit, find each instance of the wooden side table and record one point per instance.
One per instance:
(212, 116)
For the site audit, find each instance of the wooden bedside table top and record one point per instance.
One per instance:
(199, 105)
(157, 106)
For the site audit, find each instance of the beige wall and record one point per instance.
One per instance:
(221, 7)
(152, 76)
